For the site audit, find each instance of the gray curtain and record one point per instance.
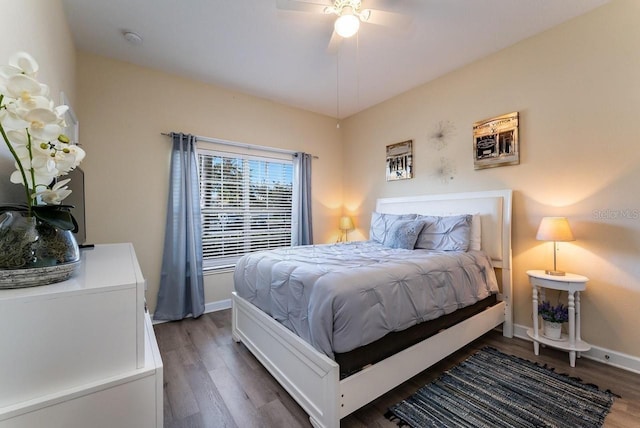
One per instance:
(181, 286)
(302, 233)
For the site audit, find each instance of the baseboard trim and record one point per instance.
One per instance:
(596, 353)
(220, 305)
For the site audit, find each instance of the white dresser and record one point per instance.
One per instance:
(81, 353)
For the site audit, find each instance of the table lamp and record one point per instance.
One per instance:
(346, 224)
(554, 229)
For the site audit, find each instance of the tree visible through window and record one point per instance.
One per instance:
(246, 205)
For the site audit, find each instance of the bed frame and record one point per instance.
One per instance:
(313, 379)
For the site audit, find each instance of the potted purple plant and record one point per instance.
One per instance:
(554, 317)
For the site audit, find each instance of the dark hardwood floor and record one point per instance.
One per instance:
(211, 381)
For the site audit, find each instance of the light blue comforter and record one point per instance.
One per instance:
(342, 296)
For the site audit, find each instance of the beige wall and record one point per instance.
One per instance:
(39, 28)
(576, 88)
(122, 111)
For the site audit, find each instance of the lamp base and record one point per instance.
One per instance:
(555, 272)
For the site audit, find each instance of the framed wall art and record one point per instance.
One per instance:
(400, 161)
(495, 141)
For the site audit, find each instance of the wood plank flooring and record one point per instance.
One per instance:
(211, 381)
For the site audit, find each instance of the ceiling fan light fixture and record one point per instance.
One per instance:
(347, 25)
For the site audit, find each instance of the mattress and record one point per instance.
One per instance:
(355, 360)
(340, 297)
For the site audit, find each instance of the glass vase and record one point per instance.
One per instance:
(33, 252)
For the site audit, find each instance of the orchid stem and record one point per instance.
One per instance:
(15, 156)
(33, 173)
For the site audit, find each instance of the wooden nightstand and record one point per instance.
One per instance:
(573, 285)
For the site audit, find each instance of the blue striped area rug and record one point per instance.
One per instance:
(491, 389)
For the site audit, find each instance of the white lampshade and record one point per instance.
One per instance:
(346, 223)
(347, 24)
(554, 229)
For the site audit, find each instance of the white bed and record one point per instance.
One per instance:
(313, 379)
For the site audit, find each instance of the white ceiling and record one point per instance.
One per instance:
(253, 47)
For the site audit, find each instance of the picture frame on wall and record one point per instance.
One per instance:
(496, 141)
(399, 164)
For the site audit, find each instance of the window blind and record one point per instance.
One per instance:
(246, 204)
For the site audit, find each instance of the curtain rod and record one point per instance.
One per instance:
(242, 145)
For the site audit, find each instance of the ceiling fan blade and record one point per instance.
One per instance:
(388, 19)
(303, 6)
(334, 43)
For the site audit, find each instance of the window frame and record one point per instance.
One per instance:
(220, 263)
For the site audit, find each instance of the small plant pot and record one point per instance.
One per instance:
(552, 330)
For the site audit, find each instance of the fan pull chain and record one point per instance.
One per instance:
(338, 89)
(357, 69)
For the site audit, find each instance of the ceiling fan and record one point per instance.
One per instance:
(350, 14)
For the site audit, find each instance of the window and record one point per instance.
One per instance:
(246, 204)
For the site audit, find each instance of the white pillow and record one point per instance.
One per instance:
(475, 239)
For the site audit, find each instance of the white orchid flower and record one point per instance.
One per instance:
(77, 152)
(56, 194)
(22, 94)
(16, 115)
(20, 63)
(22, 86)
(45, 131)
(68, 157)
(32, 128)
(43, 124)
(19, 141)
(25, 63)
(41, 178)
(43, 159)
(7, 71)
(24, 105)
(41, 115)
(10, 119)
(18, 137)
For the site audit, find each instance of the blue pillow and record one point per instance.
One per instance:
(403, 234)
(450, 233)
(381, 223)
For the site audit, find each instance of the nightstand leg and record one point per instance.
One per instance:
(572, 328)
(578, 337)
(536, 345)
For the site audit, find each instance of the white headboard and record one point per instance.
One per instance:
(494, 207)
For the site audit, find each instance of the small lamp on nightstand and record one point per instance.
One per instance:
(346, 224)
(554, 229)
